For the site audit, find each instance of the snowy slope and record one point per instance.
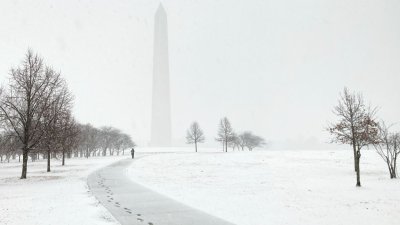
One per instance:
(59, 197)
(276, 187)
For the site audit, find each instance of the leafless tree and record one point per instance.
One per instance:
(24, 103)
(106, 138)
(194, 135)
(388, 148)
(126, 142)
(251, 141)
(235, 142)
(68, 138)
(225, 133)
(89, 139)
(121, 141)
(9, 146)
(116, 141)
(53, 121)
(356, 125)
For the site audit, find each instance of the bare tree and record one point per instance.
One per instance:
(92, 140)
(24, 103)
(388, 148)
(356, 125)
(235, 142)
(225, 133)
(89, 139)
(106, 138)
(127, 142)
(251, 141)
(9, 146)
(121, 141)
(194, 135)
(68, 138)
(116, 141)
(53, 120)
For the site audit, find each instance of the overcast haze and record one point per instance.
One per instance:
(273, 67)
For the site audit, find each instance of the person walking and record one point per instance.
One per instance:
(133, 153)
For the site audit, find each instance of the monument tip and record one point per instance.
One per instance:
(160, 8)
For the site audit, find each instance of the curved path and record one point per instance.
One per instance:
(133, 204)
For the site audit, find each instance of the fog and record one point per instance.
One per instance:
(273, 67)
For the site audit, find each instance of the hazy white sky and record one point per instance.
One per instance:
(273, 67)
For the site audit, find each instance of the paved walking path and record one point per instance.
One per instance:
(133, 204)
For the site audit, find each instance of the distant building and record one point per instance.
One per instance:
(161, 106)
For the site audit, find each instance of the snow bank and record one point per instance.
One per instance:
(59, 197)
(276, 187)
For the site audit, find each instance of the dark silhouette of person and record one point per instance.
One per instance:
(133, 153)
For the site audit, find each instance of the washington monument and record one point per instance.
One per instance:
(161, 110)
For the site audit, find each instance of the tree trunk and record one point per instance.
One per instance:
(355, 157)
(19, 157)
(358, 156)
(195, 145)
(395, 166)
(63, 158)
(392, 171)
(24, 163)
(48, 160)
(354, 147)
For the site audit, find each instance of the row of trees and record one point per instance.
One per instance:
(80, 140)
(36, 118)
(101, 142)
(358, 126)
(226, 136)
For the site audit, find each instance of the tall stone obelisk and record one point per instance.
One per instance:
(161, 110)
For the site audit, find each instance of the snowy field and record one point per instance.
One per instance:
(59, 197)
(276, 187)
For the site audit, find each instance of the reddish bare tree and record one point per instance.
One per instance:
(356, 126)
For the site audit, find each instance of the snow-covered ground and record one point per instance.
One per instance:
(59, 197)
(276, 187)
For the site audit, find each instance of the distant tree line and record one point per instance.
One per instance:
(358, 126)
(226, 136)
(36, 119)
